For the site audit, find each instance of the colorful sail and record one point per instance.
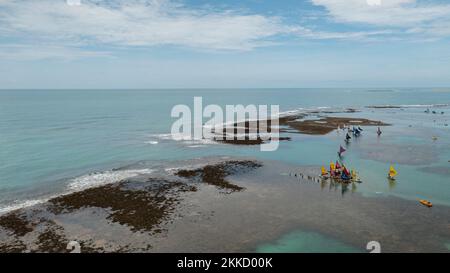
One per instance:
(332, 167)
(324, 171)
(392, 171)
(341, 150)
(338, 166)
(345, 176)
(355, 176)
(347, 173)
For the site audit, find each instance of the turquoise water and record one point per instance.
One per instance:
(50, 137)
(306, 242)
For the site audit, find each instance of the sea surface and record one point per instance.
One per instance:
(54, 141)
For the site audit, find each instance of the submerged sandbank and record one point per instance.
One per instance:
(304, 123)
(186, 210)
(140, 206)
(325, 125)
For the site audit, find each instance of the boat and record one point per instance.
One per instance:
(324, 173)
(332, 169)
(347, 137)
(379, 131)
(392, 173)
(355, 177)
(341, 151)
(356, 131)
(426, 203)
(345, 175)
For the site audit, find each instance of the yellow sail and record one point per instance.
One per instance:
(324, 171)
(332, 167)
(355, 176)
(392, 171)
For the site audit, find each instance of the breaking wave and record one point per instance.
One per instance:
(409, 105)
(78, 184)
(22, 204)
(103, 178)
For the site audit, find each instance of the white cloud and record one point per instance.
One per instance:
(137, 23)
(40, 52)
(390, 13)
(350, 35)
(53, 29)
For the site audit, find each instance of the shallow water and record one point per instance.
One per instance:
(51, 139)
(277, 211)
(306, 242)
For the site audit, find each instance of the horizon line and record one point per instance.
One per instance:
(218, 88)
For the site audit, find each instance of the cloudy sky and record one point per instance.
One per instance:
(224, 43)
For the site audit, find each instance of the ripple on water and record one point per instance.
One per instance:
(401, 154)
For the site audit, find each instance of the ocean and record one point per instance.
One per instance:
(55, 141)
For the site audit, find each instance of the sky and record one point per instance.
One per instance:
(224, 43)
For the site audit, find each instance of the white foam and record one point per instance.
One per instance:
(21, 204)
(318, 109)
(424, 105)
(79, 184)
(152, 142)
(171, 170)
(162, 136)
(412, 105)
(204, 141)
(103, 178)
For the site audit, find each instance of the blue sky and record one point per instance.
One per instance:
(224, 43)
